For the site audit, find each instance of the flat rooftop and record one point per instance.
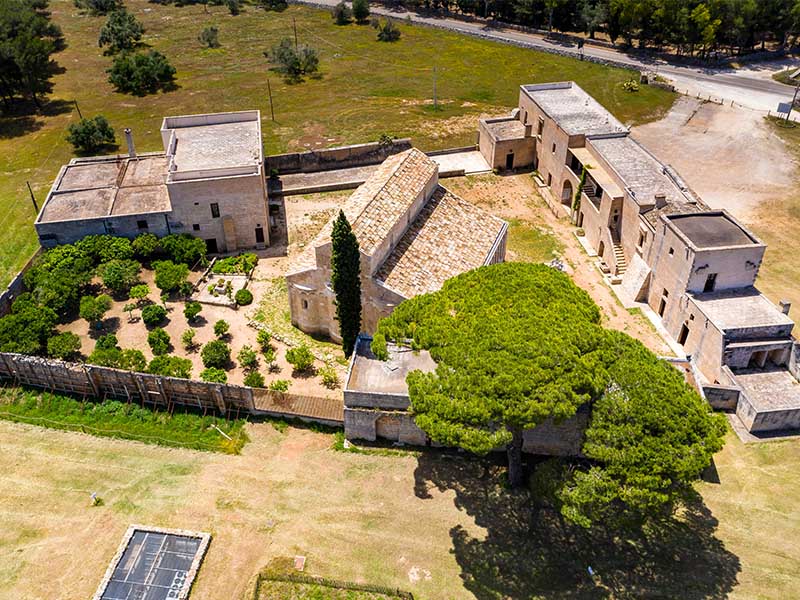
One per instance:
(448, 237)
(575, 111)
(213, 141)
(368, 374)
(745, 308)
(770, 389)
(507, 129)
(108, 186)
(712, 230)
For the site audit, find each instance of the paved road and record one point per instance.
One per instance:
(751, 87)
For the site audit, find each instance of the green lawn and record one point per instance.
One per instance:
(783, 76)
(126, 421)
(366, 88)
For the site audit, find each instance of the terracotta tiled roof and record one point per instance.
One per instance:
(377, 205)
(448, 237)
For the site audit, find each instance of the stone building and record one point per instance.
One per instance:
(413, 235)
(208, 181)
(376, 404)
(654, 237)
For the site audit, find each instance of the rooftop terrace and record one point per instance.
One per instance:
(744, 308)
(213, 142)
(712, 230)
(368, 374)
(575, 111)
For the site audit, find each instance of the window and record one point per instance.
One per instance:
(541, 126)
(642, 238)
(554, 147)
(195, 227)
(141, 224)
(215, 210)
(549, 179)
(305, 304)
(671, 251)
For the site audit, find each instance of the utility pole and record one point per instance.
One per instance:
(33, 198)
(294, 24)
(434, 88)
(78, 108)
(794, 99)
(271, 109)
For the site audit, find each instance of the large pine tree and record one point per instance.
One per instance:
(346, 281)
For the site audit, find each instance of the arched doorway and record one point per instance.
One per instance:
(566, 193)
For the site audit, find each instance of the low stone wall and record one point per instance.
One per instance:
(16, 287)
(549, 438)
(722, 397)
(343, 157)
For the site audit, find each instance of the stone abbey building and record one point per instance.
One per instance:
(413, 235)
(208, 182)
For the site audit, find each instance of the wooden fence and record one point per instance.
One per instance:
(142, 388)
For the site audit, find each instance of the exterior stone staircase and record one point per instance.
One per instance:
(619, 259)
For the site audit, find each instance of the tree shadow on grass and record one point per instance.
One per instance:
(24, 117)
(528, 553)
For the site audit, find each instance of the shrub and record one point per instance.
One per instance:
(65, 346)
(341, 14)
(129, 308)
(159, 341)
(186, 288)
(279, 385)
(254, 379)
(89, 136)
(631, 86)
(169, 276)
(213, 375)
(221, 328)
(269, 358)
(191, 310)
(360, 10)
(276, 5)
(378, 347)
(293, 62)
(139, 293)
(106, 342)
(98, 7)
(184, 248)
(242, 263)
(387, 31)
(132, 360)
(300, 358)
(244, 297)
(93, 309)
(153, 314)
(119, 275)
(138, 73)
(103, 248)
(187, 339)
(263, 338)
(170, 366)
(27, 329)
(233, 7)
(120, 32)
(216, 353)
(247, 357)
(145, 245)
(209, 37)
(330, 378)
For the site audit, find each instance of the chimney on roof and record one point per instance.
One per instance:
(785, 306)
(129, 140)
(661, 199)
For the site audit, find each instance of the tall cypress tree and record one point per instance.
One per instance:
(346, 281)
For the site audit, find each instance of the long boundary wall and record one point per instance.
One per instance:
(342, 157)
(142, 388)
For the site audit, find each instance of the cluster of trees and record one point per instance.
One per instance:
(28, 39)
(520, 344)
(293, 60)
(690, 26)
(59, 283)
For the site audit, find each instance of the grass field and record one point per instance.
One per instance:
(116, 419)
(366, 88)
(778, 224)
(440, 526)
